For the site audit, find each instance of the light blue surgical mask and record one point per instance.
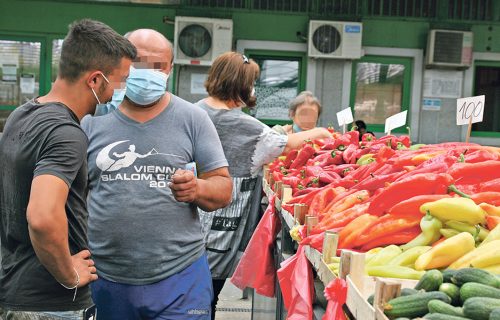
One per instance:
(105, 108)
(145, 86)
(296, 128)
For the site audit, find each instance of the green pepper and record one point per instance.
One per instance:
(430, 233)
(365, 159)
(385, 255)
(465, 227)
(416, 146)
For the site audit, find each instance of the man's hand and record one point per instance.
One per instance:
(85, 268)
(184, 186)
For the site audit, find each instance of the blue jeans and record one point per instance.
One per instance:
(32, 315)
(186, 295)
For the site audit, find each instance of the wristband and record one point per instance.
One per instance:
(75, 286)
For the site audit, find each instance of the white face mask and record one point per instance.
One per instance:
(253, 92)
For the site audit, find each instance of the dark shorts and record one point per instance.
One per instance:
(186, 295)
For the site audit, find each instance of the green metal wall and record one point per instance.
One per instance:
(52, 17)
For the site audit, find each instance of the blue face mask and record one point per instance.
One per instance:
(296, 128)
(105, 108)
(145, 86)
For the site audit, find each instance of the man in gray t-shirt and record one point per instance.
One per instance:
(144, 231)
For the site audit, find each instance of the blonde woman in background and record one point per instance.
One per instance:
(304, 111)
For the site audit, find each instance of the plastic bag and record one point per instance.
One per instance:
(336, 294)
(315, 241)
(296, 282)
(257, 267)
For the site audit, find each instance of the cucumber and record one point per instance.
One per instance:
(472, 289)
(438, 306)
(452, 291)
(408, 292)
(475, 275)
(479, 308)
(447, 274)
(413, 306)
(495, 314)
(430, 281)
(442, 316)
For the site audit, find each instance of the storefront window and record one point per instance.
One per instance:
(277, 85)
(56, 57)
(19, 74)
(380, 88)
(487, 82)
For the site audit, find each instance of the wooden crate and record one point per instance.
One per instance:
(361, 286)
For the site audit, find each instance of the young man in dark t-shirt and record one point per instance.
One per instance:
(45, 265)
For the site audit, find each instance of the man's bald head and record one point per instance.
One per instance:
(154, 51)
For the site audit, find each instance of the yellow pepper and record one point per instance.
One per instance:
(460, 209)
(487, 259)
(492, 236)
(399, 272)
(445, 253)
(465, 261)
(418, 159)
(384, 256)
(495, 269)
(409, 256)
(478, 231)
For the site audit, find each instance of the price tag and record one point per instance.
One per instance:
(395, 121)
(470, 110)
(345, 117)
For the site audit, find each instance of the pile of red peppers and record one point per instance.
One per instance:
(370, 191)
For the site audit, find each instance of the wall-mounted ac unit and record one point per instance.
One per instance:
(198, 41)
(334, 39)
(448, 48)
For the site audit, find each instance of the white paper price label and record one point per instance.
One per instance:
(471, 108)
(344, 117)
(395, 121)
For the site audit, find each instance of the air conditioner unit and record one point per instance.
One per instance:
(334, 39)
(448, 48)
(198, 41)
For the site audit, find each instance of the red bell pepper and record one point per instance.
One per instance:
(290, 157)
(341, 169)
(387, 224)
(333, 158)
(326, 177)
(321, 200)
(491, 185)
(348, 202)
(304, 154)
(349, 155)
(480, 156)
(490, 197)
(419, 184)
(470, 173)
(377, 182)
(341, 219)
(492, 222)
(401, 237)
(302, 192)
(412, 205)
(354, 229)
(292, 181)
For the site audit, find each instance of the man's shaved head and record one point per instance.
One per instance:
(153, 49)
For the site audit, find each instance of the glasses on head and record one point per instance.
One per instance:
(245, 59)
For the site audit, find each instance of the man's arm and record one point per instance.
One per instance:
(211, 191)
(48, 230)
